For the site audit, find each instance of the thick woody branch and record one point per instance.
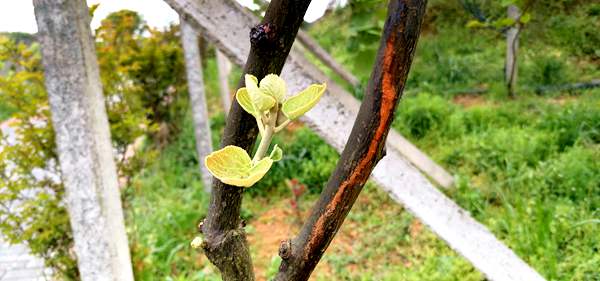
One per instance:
(365, 146)
(225, 241)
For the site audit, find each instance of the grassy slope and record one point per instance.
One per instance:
(528, 169)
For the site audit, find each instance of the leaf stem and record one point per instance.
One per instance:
(282, 125)
(265, 142)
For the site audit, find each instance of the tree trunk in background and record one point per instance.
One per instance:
(193, 65)
(224, 67)
(83, 139)
(512, 48)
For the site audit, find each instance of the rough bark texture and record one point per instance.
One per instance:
(327, 59)
(333, 118)
(512, 50)
(224, 67)
(366, 144)
(83, 139)
(225, 240)
(193, 65)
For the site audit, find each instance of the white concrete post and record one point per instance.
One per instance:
(193, 65)
(83, 140)
(224, 67)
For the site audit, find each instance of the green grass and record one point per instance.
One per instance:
(529, 170)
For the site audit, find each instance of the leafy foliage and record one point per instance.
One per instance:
(30, 195)
(143, 77)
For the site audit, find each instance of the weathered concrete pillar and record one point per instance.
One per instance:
(224, 67)
(193, 65)
(83, 139)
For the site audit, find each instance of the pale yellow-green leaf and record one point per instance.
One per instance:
(243, 98)
(258, 171)
(251, 82)
(261, 101)
(232, 165)
(299, 104)
(276, 154)
(274, 86)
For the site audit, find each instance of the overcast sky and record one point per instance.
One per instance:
(17, 15)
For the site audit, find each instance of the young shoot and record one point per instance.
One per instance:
(268, 104)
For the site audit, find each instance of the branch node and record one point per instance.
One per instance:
(262, 35)
(285, 249)
(200, 225)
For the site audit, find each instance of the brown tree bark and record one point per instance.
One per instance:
(225, 241)
(365, 146)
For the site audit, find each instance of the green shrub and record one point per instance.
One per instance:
(502, 152)
(5, 111)
(574, 123)
(445, 64)
(574, 175)
(543, 69)
(417, 115)
(41, 221)
(578, 31)
(306, 158)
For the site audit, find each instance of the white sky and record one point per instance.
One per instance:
(17, 15)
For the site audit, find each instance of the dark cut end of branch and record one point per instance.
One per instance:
(366, 144)
(263, 35)
(271, 41)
